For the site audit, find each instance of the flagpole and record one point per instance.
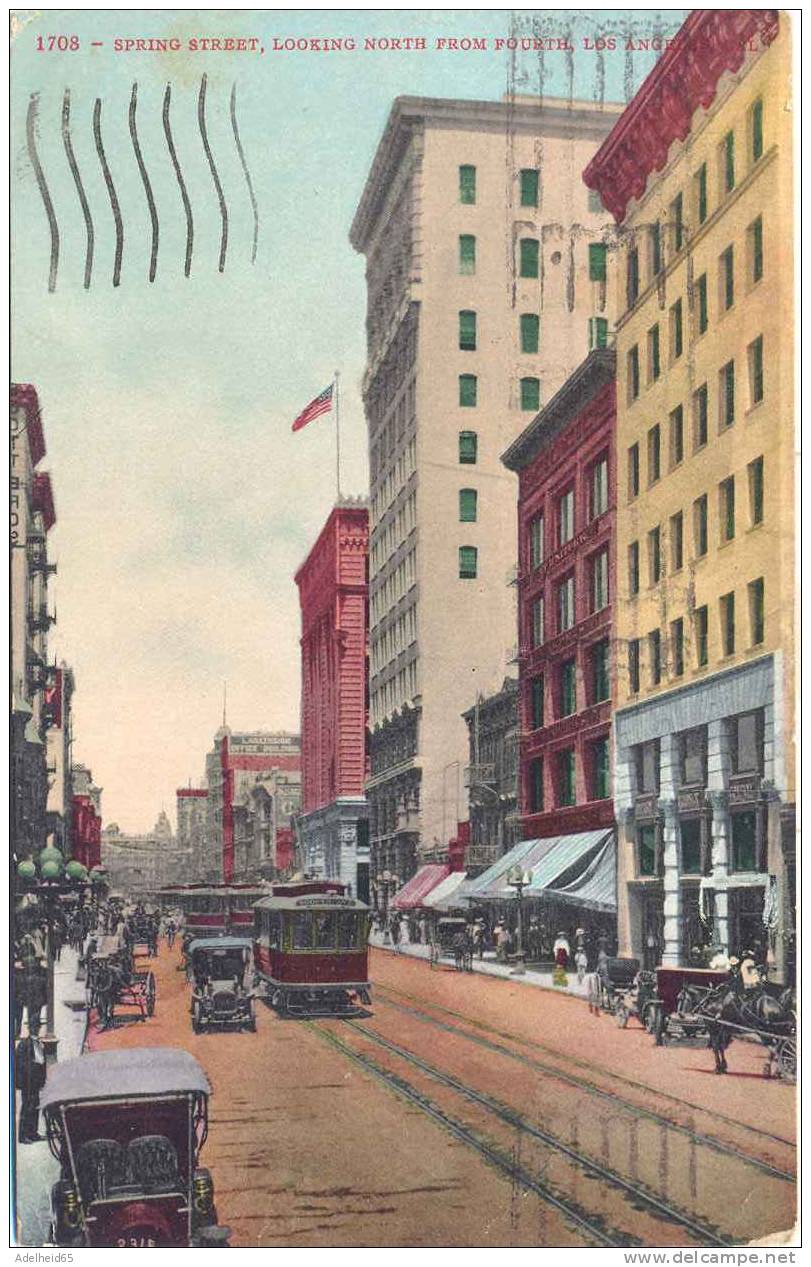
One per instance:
(338, 434)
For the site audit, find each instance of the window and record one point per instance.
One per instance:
(700, 525)
(467, 184)
(700, 409)
(595, 202)
(727, 163)
(677, 222)
(535, 785)
(654, 455)
(757, 613)
(701, 300)
(568, 689)
(566, 604)
(647, 766)
(755, 357)
(633, 568)
(700, 185)
(566, 777)
(726, 395)
(755, 471)
(467, 253)
(530, 331)
(468, 563)
(599, 488)
(599, 581)
(633, 373)
(468, 385)
(598, 333)
(676, 541)
(654, 360)
(746, 742)
(600, 672)
(744, 841)
(677, 647)
(726, 508)
(529, 257)
(755, 249)
(632, 276)
(693, 756)
(529, 186)
(727, 605)
(726, 278)
(537, 621)
(597, 259)
(531, 393)
(633, 472)
(536, 542)
(468, 498)
(646, 841)
(676, 436)
(633, 666)
(536, 703)
(701, 619)
(656, 261)
(655, 656)
(690, 832)
(654, 556)
(676, 331)
(468, 447)
(600, 780)
(566, 517)
(756, 130)
(467, 331)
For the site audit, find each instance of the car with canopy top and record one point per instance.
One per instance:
(221, 970)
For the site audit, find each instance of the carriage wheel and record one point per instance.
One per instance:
(787, 1060)
(151, 992)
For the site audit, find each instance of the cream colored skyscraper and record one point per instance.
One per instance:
(485, 280)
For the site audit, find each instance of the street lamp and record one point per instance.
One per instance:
(518, 879)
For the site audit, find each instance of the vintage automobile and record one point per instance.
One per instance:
(127, 1128)
(445, 933)
(221, 972)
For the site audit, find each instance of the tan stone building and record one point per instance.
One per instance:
(478, 237)
(698, 172)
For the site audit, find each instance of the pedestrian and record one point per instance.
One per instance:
(423, 930)
(562, 952)
(581, 963)
(477, 938)
(29, 1079)
(502, 942)
(395, 933)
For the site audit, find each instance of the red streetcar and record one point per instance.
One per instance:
(311, 949)
(214, 910)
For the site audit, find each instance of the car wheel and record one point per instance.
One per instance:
(195, 1020)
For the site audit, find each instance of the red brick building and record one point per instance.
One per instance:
(86, 832)
(565, 462)
(333, 592)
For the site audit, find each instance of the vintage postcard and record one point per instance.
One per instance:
(403, 630)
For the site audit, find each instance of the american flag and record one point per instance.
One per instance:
(320, 405)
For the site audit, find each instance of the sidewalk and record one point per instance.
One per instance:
(35, 1169)
(489, 965)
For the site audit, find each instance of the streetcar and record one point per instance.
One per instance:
(311, 949)
(214, 910)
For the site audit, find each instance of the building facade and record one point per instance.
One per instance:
(233, 764)
(264, 810)
(58, 700)
(479, 299)
(698, 173)
(333, 593)
(85, 817)
(192, 816)
(140, 865)
(566, 509)
(491, 777)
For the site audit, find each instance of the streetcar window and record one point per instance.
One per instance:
(325, 932)
(274, 929)
(302, 930)
(347, 931)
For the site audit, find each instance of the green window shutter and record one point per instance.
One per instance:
(600, 765)
(633, 665)
(567, 777)
(757, 370)
(468, 447)
(702, 193)
(536, 542)
(467, 184)
(729, 161)
(467, 253)
(632, 278)
(702, 303)
(537, 703)
(678, 222)
(757, 130)
(467, 331)
(468, 385)
(567, 689)
(597, 258)
(598, 333)
(757, 250)
(530, 393)
(678, 334)
(655, 356)
(536, 785)
(529, 257)
(729, 393)
(530, 331)
(468, 562)
(529, 187)
(656, 248)
(468, 499)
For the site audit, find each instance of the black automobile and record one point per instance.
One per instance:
(221, 970)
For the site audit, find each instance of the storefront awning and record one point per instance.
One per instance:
(415, 891)
(447, 895)
(596, 887)
(556, 863)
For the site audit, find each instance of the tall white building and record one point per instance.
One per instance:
(485, 278)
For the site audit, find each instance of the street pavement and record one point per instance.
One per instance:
(466, 1110)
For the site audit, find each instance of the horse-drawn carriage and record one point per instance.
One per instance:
(112, 979)
(141, 932)
(450, 940)
(622, 989)
(679, 1000)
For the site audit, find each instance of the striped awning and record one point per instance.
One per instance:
(557, 863)
(596, 887)
(447, 894)
(415, 891)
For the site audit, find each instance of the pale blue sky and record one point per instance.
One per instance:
(184, 502)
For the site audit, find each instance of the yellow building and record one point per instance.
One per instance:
(698, 173)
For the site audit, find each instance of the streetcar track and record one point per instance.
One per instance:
(516, 1173)
(637, 1192)
(584, 1083)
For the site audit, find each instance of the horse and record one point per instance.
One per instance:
(756, 1011)
(462, 952)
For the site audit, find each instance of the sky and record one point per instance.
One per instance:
(184, 502)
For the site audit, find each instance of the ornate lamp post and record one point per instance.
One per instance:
(518, 879)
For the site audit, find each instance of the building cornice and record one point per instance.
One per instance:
(43, 499)
(710, 43)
